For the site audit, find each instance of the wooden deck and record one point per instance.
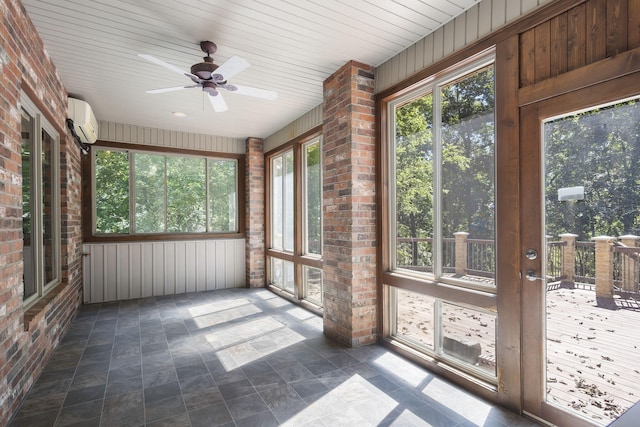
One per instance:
(593, 353)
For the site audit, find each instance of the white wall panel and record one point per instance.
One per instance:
(123, 270)
(120, 271)
(130, 134)
(296, 128)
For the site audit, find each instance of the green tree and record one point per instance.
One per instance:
(468, 155)
(186, 194)
(222, 195)
(112, 191)
(599, 150)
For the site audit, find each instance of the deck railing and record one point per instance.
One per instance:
(607, 264)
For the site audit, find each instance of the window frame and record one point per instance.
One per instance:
(298, 257)
(305, 197)
(431, 85)
(42, 124)
(89, 187)
(441, 289)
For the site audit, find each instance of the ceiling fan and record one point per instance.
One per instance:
(211, 77)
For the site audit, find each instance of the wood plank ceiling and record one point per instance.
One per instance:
(292, 45)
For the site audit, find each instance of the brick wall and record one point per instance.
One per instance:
(27, 339)
(255, 217)
(348, 164)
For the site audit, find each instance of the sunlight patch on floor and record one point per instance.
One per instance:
(456, 400)
(402, 369)
(301, 313)
(248, 342)
(354, 402)
(210, 307)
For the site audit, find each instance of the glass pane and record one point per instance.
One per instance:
(313, 205)
(313, 285)
(277, 273)
(49, 213)
(277, 237)
(414, 318)
(468, 182)
(223, 200)
(592, 223)
(288, 203)
(288, 276)
(150, 193)
(27, 249)
(112, 191)
(282, 274)
(414, 184)
(469, 336)
(186, 194)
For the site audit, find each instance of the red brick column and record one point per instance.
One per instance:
(254, 206)
(349, 205)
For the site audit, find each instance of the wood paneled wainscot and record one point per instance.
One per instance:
(119, 271)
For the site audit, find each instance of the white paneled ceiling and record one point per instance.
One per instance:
(292, 45)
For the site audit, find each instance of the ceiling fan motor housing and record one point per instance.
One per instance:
(204, 69)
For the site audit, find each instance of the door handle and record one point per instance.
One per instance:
(530, 275)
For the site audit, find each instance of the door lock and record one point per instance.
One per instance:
(530, 275)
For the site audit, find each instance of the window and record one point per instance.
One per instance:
(40, 203)
(140, 192)
(442, 166)
(312, 204)
(295, 225)
(441, 227)
(282, 202)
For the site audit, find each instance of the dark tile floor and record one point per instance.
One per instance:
(234, 358)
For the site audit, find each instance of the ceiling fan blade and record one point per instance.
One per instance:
(230, 68)
(164, 64)
(170, 89)
(252, 91)
(217, 102)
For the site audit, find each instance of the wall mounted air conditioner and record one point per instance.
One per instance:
(84, 122)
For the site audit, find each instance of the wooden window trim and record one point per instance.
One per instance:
(87, 197)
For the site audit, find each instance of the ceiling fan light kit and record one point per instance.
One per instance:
(211, 77)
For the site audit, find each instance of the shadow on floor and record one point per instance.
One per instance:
(242, 357)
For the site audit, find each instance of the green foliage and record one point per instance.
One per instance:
(186, 194)
(149, 179)
(600, 150)
(468, 155)
(414, 168)
(170, 193)
(112, 191)
(222, 195)
(467, 164)
(314, 198)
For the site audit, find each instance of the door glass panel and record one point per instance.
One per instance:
(468, 182)
(592, 220)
